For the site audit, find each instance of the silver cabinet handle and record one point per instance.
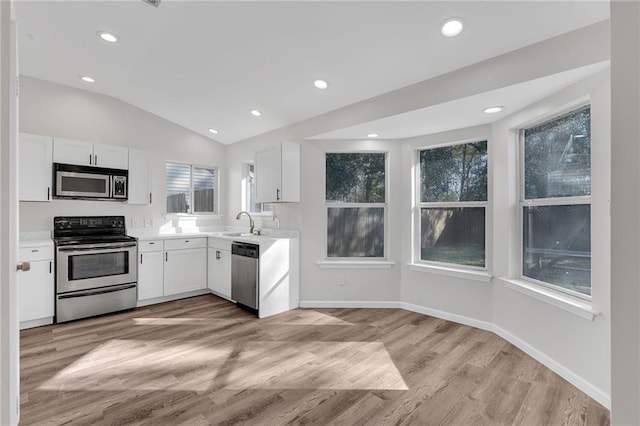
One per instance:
(24, 266)
(90, 158)
(141, 258)
(218, 254)
(277, 194)
(48, 193)
(95, 160)
(166, 256)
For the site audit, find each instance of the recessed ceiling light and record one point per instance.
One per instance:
(214, 131)
(256, 113)
(372, 135)
(493, 109)
(87, 79)
(107, 36)
(321, 84)
(452, 27)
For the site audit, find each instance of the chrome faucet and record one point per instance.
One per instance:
(251, 225)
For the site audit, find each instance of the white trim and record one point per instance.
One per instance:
(460, 319)
(36, 323)
(163, 299)
(355, 264)
(590, 389)
(482, 276)
(565, 302)
(344, 304)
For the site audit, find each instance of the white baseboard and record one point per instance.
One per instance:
(460, 319)
(348, 304)
(36, 323)
(594, 392)
(163, 299)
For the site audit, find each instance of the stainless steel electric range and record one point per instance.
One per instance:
(96, 268)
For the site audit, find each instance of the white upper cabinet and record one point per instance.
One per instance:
(69, 151)
(278, 174)
(35, 167)
(112, 157)
(139, 182)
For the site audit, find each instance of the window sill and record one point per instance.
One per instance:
(570, 304)
(481, 276)
(355, 264)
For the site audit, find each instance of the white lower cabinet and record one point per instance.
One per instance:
(185, 265)
(150, 269)
(219, 267)
(36, 287)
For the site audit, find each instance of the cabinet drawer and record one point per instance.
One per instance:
(186, 243)
(220, 243)
(145, 246)
(35, 253)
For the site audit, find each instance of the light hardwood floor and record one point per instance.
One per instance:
(202, 361)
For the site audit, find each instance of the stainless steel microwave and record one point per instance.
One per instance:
(89, 183)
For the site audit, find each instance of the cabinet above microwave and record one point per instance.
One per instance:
(68, 151)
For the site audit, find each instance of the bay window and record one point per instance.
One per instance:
(555, 203)
(356, 205)
(452, 203)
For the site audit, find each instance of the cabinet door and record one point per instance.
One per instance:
(219, 272)
(113, 157)
(185, 270)
(35, 291)
(150, 276)
(68, 151)
(268, 166)
(36, 156)
(290, 172)
(139, 183)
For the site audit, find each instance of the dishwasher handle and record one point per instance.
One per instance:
(245, 250)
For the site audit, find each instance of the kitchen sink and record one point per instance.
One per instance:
(236, 234)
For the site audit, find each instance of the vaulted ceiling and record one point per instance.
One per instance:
(207, 64)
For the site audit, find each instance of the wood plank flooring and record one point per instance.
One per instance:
(202, 361)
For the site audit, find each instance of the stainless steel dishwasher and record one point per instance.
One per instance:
(245, 267)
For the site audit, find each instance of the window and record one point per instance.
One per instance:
(356, 206)
(452, 203)
(190, 189)
(251, 205)
(556, 202)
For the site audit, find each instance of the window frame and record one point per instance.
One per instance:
(551, 201)
(385, 241)
(419, 205)
(216, 188)
(246, 205)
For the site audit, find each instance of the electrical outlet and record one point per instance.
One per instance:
(135, 223)
(148, 223)
(341, 280)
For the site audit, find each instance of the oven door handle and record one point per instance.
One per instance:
(96, 292)
(96, 247)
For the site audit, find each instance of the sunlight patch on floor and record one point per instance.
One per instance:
(311, 317)
(199, 366)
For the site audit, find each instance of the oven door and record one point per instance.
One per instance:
(88, 266)
(78, 184)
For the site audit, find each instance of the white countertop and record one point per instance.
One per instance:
(144, 234)
(35, 239)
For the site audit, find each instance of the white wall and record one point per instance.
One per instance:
(575, 347)
(625, 212)
(321, 285)
(55, 110)
(465, 298)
